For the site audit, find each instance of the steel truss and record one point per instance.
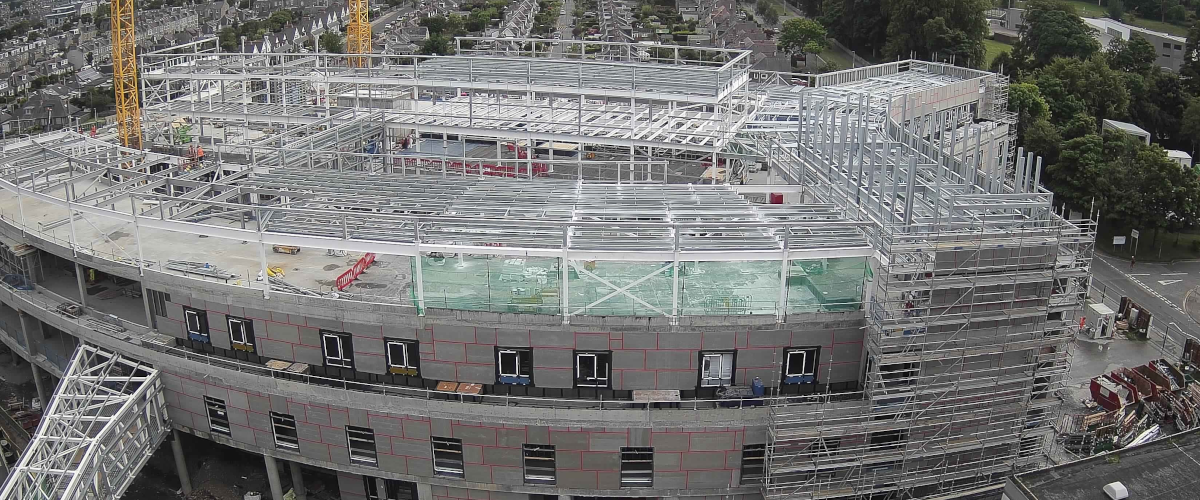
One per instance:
(104, 422)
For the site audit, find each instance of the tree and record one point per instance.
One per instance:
(332, 42)
(1190, 70)
(1053, 29)
(859, 24)
(1042, 138)
(1156, 101)
(1003, 63)
(1081, 173)
(1135, 56)
(437, 45)
(1068, 84)
(1189, 126)
(1115, 9)
(801, 35)
(1026, 101)
(926, 26)
(768, 10)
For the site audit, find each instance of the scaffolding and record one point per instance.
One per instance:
(973, 303)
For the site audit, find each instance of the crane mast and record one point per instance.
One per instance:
(358, 33)
(125, 76)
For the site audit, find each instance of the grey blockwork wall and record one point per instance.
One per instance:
(641, 358)
(588, 458)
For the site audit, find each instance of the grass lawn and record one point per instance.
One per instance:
(994, 49)
(837, 57)
(1090, 8)
(1156, 25)
(1169, 247)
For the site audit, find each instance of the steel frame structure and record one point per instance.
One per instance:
(976, 274)
(106, 418)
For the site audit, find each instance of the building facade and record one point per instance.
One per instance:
(463, 336)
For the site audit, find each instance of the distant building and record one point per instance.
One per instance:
(1128, 128)
(1170, 48)
(1181, 157)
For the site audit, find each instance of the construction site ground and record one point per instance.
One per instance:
(219, 472)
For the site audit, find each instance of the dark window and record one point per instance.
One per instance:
(158, 302)
(447, 457)
(218, 418)
(1166, 45)
(403, 357)
(800, 365)
(592, 369)
(899, 374)
(753, 457)
(196, 323)
(887, 440)
(284, 426)
(396, 489)
(539, 464)
(1178, 47)
(338, 349)
(361, 441)
(514, 366)
(371, 487)
(637, 466)
(241, 333)
(716, 368)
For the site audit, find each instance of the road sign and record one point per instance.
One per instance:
(1133, 233)
(1118, 240)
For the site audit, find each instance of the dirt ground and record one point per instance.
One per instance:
(219, 473)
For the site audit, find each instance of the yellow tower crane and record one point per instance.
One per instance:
(358, 33)
(125, 75)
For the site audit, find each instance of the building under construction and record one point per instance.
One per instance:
(569, 269)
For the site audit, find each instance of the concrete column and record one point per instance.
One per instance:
(298, 481)
(82, 285)
(43, 394)
(273, 477)
(180, 464)
(424, 491)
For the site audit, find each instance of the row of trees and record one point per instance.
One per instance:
(1065, 86)
(887, 29)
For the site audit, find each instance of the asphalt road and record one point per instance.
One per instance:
(1163, 289)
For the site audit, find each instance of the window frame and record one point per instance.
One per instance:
(210, 405)
(636, 477)
(758, 462)
(599, 383)
(703, 381)
(201, 333)
(411, 365)
(524, 362)
(812, 355)
(278, 419)
(371, 487)
(369, 461)
(448, 454)
(345, 358)
(247, 330)
(526, 450)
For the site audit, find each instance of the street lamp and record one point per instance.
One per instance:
(1168, 334)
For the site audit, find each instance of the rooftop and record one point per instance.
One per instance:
(1166, 468)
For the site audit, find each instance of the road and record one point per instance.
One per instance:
(564, 23)
(1162, 288)
(378, 24)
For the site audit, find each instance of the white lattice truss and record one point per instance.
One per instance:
(106, 418)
